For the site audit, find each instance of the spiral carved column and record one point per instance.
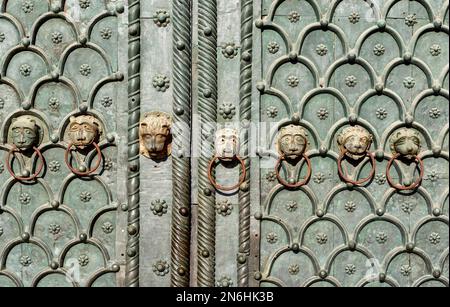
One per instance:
(180, 247)
(208, 112)
(134, 85)
(245, 118)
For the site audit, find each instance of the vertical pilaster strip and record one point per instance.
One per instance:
(207, 27)
(134, 91)
(182, 65)
(245, 106)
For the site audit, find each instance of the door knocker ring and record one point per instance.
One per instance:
(298, 184)
(88, 172)
(344, 176)
(221, 187)
(30, 178)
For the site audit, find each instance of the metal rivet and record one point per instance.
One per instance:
(205, 253)
(351, 57)
(83, 39)
(241, 259)
(379, 88)
(323, 274)
(437, 24)
(259, 23)
(352, 245)
(120, 8)
(207, 93)
(353, 118)
(184, 212)
(181, 271)
(380, 212)
(245, 187)
(293, 56)
(324, 24)
(207, 191)
(437, 212)
(82, 168)
(55, 75)
(179, 111)
(437, 88)
(382, 277)
(131, 252)
(26, 42)
(25, 236)
(258, 276)
(132, 230)
(110, 137)
(54, 265)
(379, 155)
(291, 181)
(124, 207)
(83, 237)
(350, 186)
(26, 105)
(410, 247)
(437, 273)
(381, 24)
(246, 56)
(323, 151)
(258, 215)
(207, 31)
(56, 8)
(295, 247)
(115, 267)
(25, 173)
(261, 86)
(181, 46)
(320, 213)
(83, 107)
(409, 119)
(407, 57)
(55, 204)
(295, 118)
(133, 167)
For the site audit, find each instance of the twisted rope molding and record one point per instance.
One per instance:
(245, 105)
(181, 228)
(208, 111)
(134, 87)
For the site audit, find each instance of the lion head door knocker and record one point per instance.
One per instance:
(354, 145)
(227, 151)
(25, 135)
(155, 135)
(291, 144)
(405, 147)
(83, 132)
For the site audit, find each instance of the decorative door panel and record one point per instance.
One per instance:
(62, 176)
(363, 85)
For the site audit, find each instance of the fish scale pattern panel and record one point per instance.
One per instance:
(61, 70)
(380, 65)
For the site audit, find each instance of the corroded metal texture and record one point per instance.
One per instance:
(181, 173)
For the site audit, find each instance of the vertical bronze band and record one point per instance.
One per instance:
(207, 104)
(134, 92)
(182, 73)
(245, 108)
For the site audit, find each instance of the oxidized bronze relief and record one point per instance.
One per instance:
(292, 144)
(155, 135)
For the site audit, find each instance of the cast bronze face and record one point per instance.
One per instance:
(24, 132)
(155, 135)
(83, 131)
(227, 144)
(292, 142)
(406, 143)
(355, 142)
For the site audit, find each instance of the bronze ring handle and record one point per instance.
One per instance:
(223, 188)
(88, 172)
(298, 184)
(34, 176)
(344, 176)
(402, 187)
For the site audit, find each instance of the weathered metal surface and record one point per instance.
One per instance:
(61, 84)
(381, 65)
